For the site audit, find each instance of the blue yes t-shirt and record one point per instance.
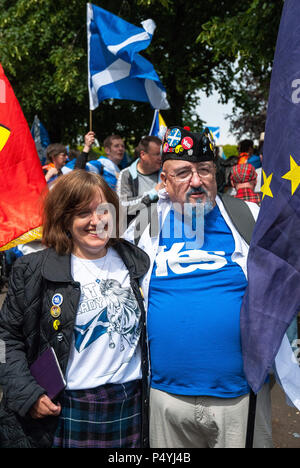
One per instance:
(194, 313)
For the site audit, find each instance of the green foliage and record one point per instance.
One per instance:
(43, 53)
(247, 41)
(230, 150)
(247, 37)
(164, 3)
(44, 57)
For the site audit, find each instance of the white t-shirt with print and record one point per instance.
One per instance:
(107, 328)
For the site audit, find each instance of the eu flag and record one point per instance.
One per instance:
(115, 67)
(272, 299)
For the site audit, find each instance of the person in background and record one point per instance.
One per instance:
(245, 149)
(243, 178)
(80, 296)
(56, 160)
(225, 168)
(138, 184)
(109, 167)
(79, 161)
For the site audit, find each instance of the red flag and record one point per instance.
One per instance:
(22, 181)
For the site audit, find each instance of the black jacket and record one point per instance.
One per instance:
(26, 328)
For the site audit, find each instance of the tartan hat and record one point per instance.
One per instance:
(241, 173)
(181, 144)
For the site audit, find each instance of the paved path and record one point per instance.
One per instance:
(286, 420)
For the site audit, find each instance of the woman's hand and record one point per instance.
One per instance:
(44, 407)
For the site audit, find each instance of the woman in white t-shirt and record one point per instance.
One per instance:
(91, 313)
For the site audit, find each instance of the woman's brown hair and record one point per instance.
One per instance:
(68, 196)
(54, 150)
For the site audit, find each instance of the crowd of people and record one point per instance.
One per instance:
(137, 180)
(141, 311)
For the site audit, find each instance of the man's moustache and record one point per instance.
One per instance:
(196, 191)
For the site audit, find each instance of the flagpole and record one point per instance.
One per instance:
(89, 16)
(251, 420)
(91, 120)
(153, 121)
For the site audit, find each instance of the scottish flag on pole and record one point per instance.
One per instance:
(215, 132)
(115, 67)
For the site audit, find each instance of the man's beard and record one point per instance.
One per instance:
(208, 204)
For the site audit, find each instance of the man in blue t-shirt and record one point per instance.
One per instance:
(199, 394)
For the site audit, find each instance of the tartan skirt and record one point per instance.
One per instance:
(108, 416)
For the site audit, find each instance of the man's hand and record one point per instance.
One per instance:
(44, 407)
(89, 139)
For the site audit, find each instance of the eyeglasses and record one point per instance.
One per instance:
(185, 175)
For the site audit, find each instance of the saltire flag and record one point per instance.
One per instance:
(21, 177)
(41, 138)
(272, 299)
(115, 67)
(158, 127)
(215, 132)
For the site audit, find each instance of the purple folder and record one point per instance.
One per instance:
(48, 374)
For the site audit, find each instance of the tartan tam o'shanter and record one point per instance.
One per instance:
(241, 173)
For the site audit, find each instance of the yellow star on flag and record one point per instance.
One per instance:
(265, 189)
(293, 175)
